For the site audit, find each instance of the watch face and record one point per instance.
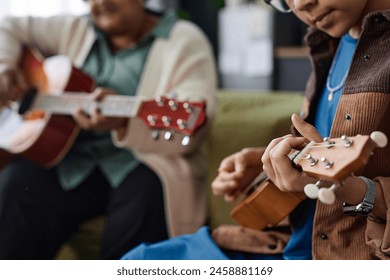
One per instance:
(352, 210)
(364, 208)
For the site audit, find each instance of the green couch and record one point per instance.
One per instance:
(243, 119)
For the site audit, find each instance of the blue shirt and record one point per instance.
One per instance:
(300, 243)
(326, 109)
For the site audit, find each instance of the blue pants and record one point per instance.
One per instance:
(197, 246)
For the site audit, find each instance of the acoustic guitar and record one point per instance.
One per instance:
(43, 131)
(334, 160)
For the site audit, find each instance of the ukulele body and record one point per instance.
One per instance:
(265, 207)
(331, 161)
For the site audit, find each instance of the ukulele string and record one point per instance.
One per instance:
(263, 176)
(327, 145)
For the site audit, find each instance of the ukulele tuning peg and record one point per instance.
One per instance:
(379, 138)
(312, 160)
(328, 143)
(326, 195)
(347, 142)
(186, 141)
(311, 190)
(327, 163)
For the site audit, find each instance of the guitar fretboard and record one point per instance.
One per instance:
(66, 104)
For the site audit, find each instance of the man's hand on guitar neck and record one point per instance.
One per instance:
(95, 120)
(12, 87)
(236, 172)
(276, 160)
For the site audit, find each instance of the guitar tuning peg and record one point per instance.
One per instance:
(379, 138)
(155, 134)
(172, 104)
(312, 160)
(166, 120)
(181, 123)
(160, 101)
(152, 120)
(326, 195)
(187, 107)
(186, 140)
(168, 135)
(311, 191)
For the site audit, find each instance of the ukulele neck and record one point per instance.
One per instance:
(295, 156)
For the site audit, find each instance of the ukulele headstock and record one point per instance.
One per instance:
(336, 159)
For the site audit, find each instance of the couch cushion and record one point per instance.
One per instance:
(245, 119)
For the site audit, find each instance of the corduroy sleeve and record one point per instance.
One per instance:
(378, 230)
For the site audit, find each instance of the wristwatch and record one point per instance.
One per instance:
(363, 208)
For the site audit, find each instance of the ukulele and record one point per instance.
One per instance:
(333, 160)
(43, 131)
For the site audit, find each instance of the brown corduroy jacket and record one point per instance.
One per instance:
(364, 107)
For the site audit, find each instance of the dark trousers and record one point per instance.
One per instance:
(37, 216)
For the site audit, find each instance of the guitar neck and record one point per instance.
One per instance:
(161, 112)
(65, 104)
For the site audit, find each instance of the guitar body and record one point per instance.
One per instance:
(38, 136)
(46, 131)
(265, 207)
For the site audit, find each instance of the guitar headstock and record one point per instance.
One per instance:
(336, 159)
(184, 117)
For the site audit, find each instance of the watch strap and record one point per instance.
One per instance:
(365, 207)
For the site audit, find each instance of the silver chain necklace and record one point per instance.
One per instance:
(331, 89)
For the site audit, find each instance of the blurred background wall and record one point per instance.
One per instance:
(255, 47)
